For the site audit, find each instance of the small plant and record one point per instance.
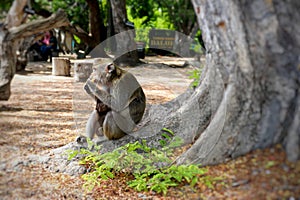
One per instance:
(161, 179)
(151, 168)
(195, 74)
(167, 135)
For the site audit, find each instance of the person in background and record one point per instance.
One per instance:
(49, 45)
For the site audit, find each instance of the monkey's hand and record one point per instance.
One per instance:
(98, 92)
(88, 91)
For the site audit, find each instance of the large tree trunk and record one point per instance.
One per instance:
(8, 43)
(119, 20)
(7, 49)
(254, 46)
(248, 96)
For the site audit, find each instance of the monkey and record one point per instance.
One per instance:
(120, 102)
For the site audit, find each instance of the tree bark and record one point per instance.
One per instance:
(255, 47)
(95, 21)
(119, 16)
(8, 43)
(15, 14)
(84, 36)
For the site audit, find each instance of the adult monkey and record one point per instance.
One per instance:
(120, 102)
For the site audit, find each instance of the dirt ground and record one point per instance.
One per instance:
(42, 114)
(39, 116)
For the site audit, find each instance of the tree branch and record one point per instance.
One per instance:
(81, 34)
(56, 20)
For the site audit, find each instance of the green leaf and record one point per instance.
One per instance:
(72, 154)
(194, 181)
(166, 136)
(162, 143)
(168, 131)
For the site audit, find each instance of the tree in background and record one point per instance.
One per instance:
(121, 26)
(10, 34)
(168, 14)
(88, 18)
(18, 15)
(181, 14)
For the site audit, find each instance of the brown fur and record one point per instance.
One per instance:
(108, 88)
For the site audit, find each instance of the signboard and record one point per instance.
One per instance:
(161, 39)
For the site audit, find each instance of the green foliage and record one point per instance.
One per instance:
(196, 46)
(143, 35)
(155, 18)
(162, 21)
(151, 168)
(180, 13)
(140, 9)
(167, 134)
(151, 14)
(148, 14)
(195, 74)
(167, 14)
(77, 39)
(77, 11)
(37, 4)
(4, 7)
(158, 20)
(167, 177)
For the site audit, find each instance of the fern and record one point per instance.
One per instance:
(150, 167)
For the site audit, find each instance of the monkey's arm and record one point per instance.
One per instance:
(97, 91)
(88, 91)
(92, 125)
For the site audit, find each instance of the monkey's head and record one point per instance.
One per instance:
(103, 77)
(112, 72)
(105, 74)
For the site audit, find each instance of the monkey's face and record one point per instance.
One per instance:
(105, 74)
(112, 72)
(103, 77)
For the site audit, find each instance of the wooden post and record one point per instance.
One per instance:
(61, 66)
